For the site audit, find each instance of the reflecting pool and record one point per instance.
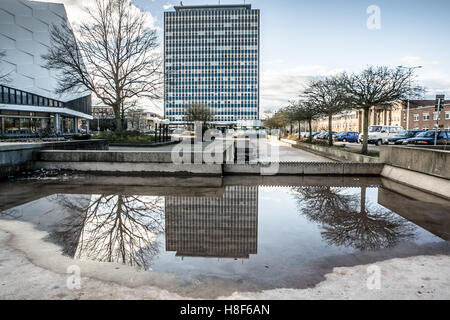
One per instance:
(251, 233)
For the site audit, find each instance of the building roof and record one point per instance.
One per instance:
(206, 7)
(421, 103)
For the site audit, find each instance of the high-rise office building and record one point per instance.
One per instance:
(212, 58)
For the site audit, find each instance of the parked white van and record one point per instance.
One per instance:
(380, 134)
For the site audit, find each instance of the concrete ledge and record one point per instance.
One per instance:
(143, 145)
(104, 156)
(16, 157)
(332, 153)
(425, 182)
(128, 168)
(432, 161)
(306, 168)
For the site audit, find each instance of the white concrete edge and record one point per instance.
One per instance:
(26, 108)
(421, 181)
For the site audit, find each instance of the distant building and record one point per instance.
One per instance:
(143, 121)
(352, 120)
(423, 116)
(220, 227)
(28, 104)
(212, 58)
(103, 118)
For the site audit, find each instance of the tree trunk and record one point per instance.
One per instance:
(363, 200)
(366, 112)
(310, 130)
(118, 119)
(299, 129)
(330, 130)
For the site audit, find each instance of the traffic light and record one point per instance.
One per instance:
(439, 102)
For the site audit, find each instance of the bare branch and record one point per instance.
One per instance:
(115, 56)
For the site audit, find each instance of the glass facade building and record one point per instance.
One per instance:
(212, 58)
(29, 104)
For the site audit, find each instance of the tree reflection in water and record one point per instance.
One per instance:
(351, 221)
(112, 228)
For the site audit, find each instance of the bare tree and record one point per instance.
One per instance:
(305, 110)
(115, 56)
(113, 228)
(4, 77)
(199, 112)
(376, 86)
(328, 98)
(135, 118)
(351, 221)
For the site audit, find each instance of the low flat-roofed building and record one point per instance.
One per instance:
(29, 105)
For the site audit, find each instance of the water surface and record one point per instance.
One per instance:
(256, 235)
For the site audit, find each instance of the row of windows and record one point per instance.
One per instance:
(212, 31)
(426, 116)
(212, 34)
(222, 113)
(197, 43)
(210, 51)
(210, 15)
(223, 91)
(249, 71)
(173, 119)
(191, 41)
(217, 61)
(14, 96)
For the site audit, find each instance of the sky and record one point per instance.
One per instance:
(301, 39)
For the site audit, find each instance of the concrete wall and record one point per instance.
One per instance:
(333, 153)
(434, 162)
(422, 181)
(17, 157)
(307, 168)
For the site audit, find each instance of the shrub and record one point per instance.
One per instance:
(126, 137)
(81, 137)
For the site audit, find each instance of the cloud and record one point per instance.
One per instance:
(278, 87)
(167, 6)
(77, 11)
(410, 61)
(431, 76)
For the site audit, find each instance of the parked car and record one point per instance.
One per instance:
(347, 136)
(403, 137)
(427, 138)
(319, 136)
(380, 134)
(325, 136)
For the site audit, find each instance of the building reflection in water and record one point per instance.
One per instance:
(126, 229)
(219, 222)
(221, 227)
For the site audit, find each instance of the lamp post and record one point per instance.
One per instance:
(410, 69)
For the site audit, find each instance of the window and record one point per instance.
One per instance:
(447, 115)
(436, 115)
(426, 116)
(416, 117)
